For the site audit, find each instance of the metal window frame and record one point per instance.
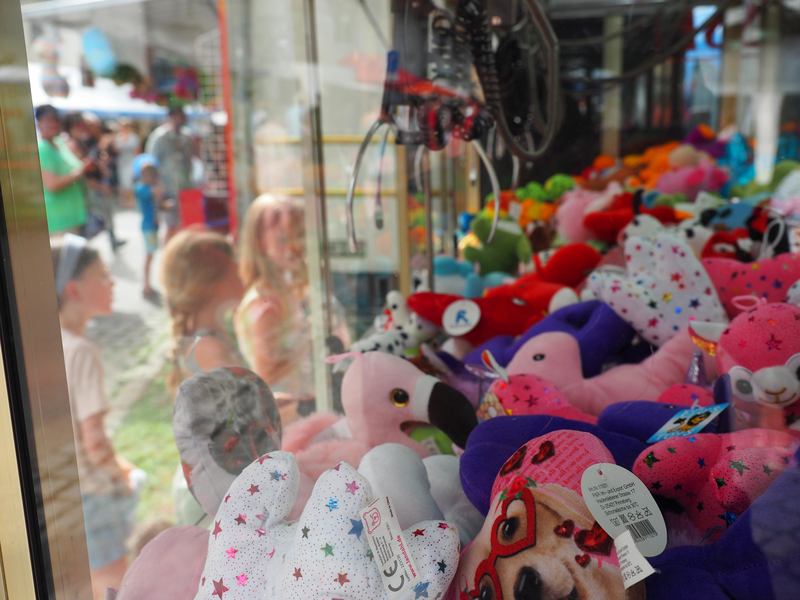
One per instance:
(42, 537)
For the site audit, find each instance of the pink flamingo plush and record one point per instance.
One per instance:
(760, 350)
(556, 356)
(381, 394)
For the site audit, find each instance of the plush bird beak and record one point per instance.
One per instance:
(444, 407)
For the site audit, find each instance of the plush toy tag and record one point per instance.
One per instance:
(620, 503)
(687, 422)
(515, 210)
(398, 571)
(461, 317)
(633, 566)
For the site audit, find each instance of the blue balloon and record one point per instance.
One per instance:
(143, 160)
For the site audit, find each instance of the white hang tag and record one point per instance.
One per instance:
(461, 317)
(687, 423)
(632, 565)
(620, 502)
(399, 573)
(515, 209)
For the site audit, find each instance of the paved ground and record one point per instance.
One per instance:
(134, 340)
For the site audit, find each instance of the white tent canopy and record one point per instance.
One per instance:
(106, 98)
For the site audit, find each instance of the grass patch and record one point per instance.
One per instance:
(145, 438)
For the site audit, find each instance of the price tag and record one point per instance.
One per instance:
(687, 423)
(632, 565)
(621, 503)
(461, 317)
(398, 572)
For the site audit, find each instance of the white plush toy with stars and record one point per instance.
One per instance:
(664, 287)
(254, 553)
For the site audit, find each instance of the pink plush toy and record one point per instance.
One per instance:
(690, 181)
(381, 394)
(526, 394)
(770, 278)
(574, 203)
(556, 356)
(715, 477)
(760, 350)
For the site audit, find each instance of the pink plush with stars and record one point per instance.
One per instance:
(715, 477)
(760, 350)
(769, 279)
(527, 394)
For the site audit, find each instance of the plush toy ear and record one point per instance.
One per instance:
(706, 336)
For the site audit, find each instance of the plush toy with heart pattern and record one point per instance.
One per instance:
(663, 288)
(539, 539)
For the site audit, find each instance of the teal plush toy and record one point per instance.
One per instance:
(509, 247)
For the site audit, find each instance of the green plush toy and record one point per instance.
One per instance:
(555, 187)
(532, 191)
(509, 246)
(752, 188)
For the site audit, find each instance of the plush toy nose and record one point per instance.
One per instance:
(775, 385)
(450, 411)
(529, 585)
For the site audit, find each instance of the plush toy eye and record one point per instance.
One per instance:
(486, 590)
(538, 357)
(573, 595)
(741, 383)
(509, 528)
(399, 397)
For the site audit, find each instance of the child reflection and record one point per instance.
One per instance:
(272, 323)
(109, 484)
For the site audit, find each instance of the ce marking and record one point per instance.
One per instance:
(390, 573)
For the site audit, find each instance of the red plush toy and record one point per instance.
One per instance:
(607, 223)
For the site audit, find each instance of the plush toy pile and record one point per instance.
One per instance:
(643, 313)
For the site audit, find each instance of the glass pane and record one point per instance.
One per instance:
(324, 226)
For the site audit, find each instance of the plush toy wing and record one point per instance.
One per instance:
(664, 287)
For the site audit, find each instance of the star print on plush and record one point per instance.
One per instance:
(773, 343)
(327, 549)
(276, 475)
(720, 482)
(370, 555)
(217, 529)
(253, 489)
(767, 470)
(442, 566)
(241, 579)
(351, 487)
(694, 303)
(358, 527)
(650, 459)
(297, 574)
(666, 297)
(332, 504)
(701, 462)
(699, 507)
(419, 532)
(241, 519)
(261, 532)
(421, 590)
(341, 579)
(443, 526)
(305, 531)
(672, 450)
(656, 485)
(652, 304)
(232, 552)
(678, 486)
(728, 517)
(739, 466)
(228, 497)
(219, 588)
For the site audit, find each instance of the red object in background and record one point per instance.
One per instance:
(606, 224)
(191, 206)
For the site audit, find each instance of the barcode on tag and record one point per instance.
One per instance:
(642, 530)
(398, 570)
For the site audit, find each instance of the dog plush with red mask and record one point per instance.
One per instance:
(539, 539)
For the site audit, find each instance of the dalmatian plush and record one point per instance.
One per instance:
(255, 554)
(402, 331)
